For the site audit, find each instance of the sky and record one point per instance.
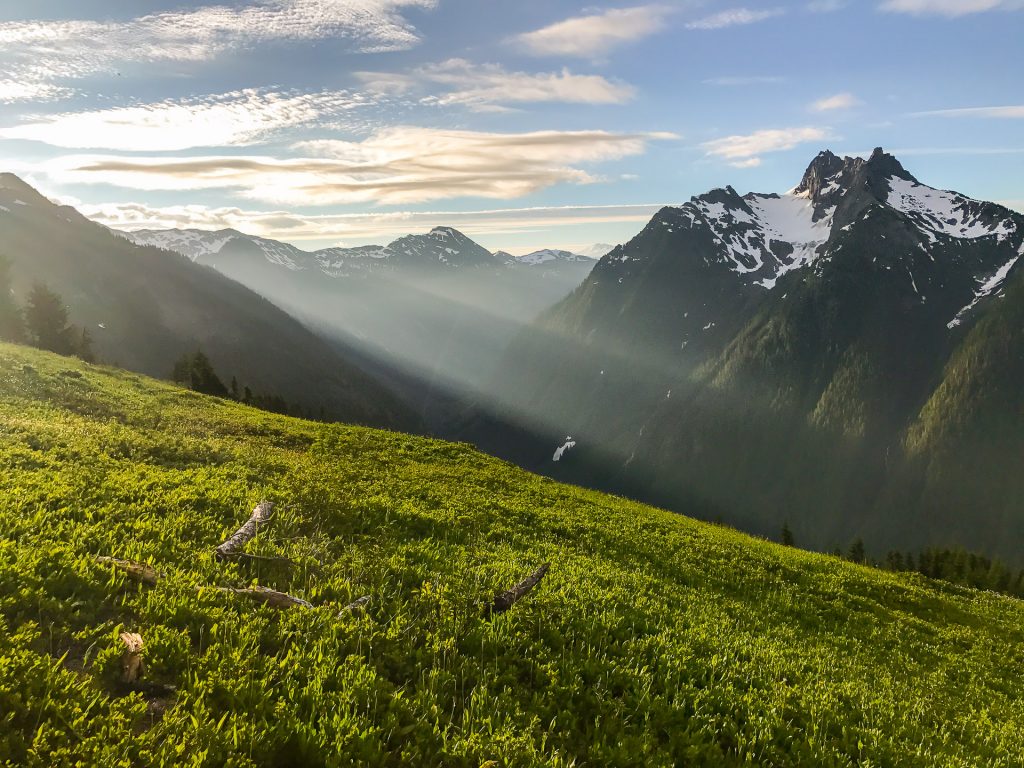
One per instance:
(526, 124)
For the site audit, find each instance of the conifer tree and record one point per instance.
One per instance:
(787, 536)
(12, 325)
(46, 318)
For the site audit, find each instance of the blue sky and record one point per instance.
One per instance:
(537, 123)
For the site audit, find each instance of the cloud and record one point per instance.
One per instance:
(240, 118)
(734, 17)
(360, 227)
(826, 6)
(596, 34)
(745, 151)
(748, 80)
(485, 86)
(1008, 112)
(950, 8)
(25, 90)
(839, 101)
(396, 166)
(41, 52)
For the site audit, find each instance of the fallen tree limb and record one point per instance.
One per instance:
(271, 597)
(132, 666)
(506, 600)
(140, 572)
(247, 532)
(356, 606)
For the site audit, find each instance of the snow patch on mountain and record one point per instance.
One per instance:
(192, 243)
(764, 236)
(987, 288)
(937, 212)
(549, 255)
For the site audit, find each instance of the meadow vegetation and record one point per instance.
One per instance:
(654, 640)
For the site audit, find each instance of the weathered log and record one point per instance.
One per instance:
(140, 572)
(247, 532)
(132, 666)
(271, 597)
(506, 600)
(356, 606)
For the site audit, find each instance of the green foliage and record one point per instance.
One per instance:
(195, 371)
(958, 566)
(655, 640)
(46, 317)
(12, 324)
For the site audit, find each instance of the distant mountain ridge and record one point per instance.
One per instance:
(442, 247)
(769, 356)
(430, 313)
(146, 307)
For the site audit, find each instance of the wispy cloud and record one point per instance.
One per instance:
(596, 34)
(745, 80)
(837, 102)
(240, 118)
(744, 151)
(1004, 113)
(396, 166)
(735, 17)
(826, 6)
(48, 52)
(361, 227)
(486, 86)
(951, 8)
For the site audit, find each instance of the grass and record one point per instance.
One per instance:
(654, 641)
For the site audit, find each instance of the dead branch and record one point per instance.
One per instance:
(271, 597)
(355, 606)
(245, 534)
(140, 572)
(506, 600)
(132, 666)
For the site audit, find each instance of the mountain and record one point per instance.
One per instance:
(429, 313)
(652, 640)
(146, 307)
(768, 358)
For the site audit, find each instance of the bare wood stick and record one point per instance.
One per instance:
(245, 534)
(506, 600)
(140, 572)
(131, 662)
(355, 606)
(271, 597)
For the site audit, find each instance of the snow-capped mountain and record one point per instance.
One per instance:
(740, 338)
(438, 305)
(551, 257)
(440, 249)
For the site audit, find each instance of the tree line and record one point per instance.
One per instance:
(195, 371)
(43, 321)
(956, 566)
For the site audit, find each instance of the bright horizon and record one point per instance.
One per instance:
(547, 125)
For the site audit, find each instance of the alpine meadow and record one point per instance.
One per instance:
(495, 385)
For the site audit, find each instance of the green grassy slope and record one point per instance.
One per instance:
(654, 641)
